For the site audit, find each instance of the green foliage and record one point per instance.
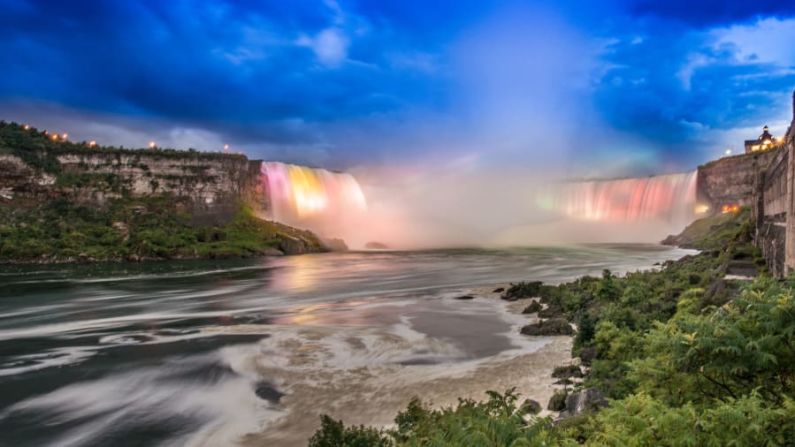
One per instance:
(642, 420)
(497, 421)
(132, 229)
(334, 434)
(687, 358)
(741, 348)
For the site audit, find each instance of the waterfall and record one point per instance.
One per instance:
(670, 198)
(311, 198)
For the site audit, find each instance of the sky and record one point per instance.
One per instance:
(623, 88)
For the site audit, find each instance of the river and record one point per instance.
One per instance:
(250, 352)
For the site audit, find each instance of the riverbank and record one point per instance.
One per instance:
(672, 356)
(205, 352)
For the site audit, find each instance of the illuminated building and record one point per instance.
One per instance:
(765, 142)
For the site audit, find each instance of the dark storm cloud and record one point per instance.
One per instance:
(357, 81)
(713, 12)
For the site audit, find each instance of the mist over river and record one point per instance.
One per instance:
(251, 352)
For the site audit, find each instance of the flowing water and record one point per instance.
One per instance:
(251, 352)
(670, 197)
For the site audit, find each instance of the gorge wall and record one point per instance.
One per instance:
(764, 182)
(207, 185)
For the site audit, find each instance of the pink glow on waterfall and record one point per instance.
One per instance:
(669, 198)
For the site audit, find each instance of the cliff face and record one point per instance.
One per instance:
(210, 188)
(63, 202)
(732, 180)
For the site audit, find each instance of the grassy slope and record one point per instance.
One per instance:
(709, 232)
(134, 229)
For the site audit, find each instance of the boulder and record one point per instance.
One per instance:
(335, 244)
(465, 297)
(498, 290)
(551, 311)
(567, 372)
(534, 307)
(558, 401)
(589, 399)
(587, 355)
(522, 290)
(530, 406)
(553, 326)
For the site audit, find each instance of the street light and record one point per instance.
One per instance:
(92, 143)
(152, 145)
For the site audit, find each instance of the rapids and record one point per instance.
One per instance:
(251, 352)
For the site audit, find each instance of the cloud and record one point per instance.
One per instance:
(681, 91)
(631, 83)
(330, 46)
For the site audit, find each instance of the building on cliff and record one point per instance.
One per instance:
(765, 142)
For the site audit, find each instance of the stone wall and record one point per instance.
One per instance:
(774, 213)
(210, 185)
(732, 180)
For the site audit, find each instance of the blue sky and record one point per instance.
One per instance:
(624, 87)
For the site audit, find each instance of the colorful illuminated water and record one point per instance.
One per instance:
(316, 199)
(670, 198)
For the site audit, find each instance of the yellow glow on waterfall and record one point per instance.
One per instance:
(311, 198)
(309, 193)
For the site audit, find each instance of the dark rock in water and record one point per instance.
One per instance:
(268, 392)
(528, 289)
(558, 401)
(553, 326)
(551, 311)
(335, 244)
(534, 307)
(530, 406)
(567, 372)
(589, 399)
(498, 290)
(295, 245)
(587, 355)
(465, 297)
(375, 246)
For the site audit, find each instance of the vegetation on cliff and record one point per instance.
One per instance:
(684, 356)
(39, 150)
(137, 229)
(57, 225)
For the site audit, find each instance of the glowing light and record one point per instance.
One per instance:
(55, 137)
(92, 143)
(226, 148)
(26, 127)
(701, 208)
(726, 209)
(728, 152)
(65, 136)
(152, 145)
